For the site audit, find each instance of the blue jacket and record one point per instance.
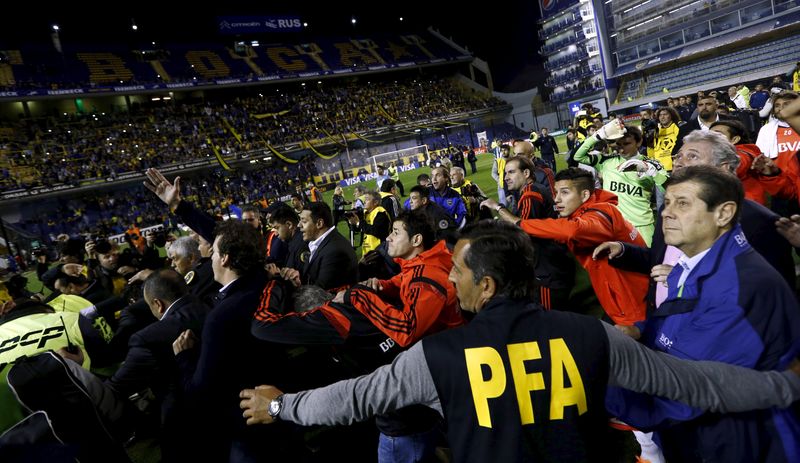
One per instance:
(452, 203)
(733, 308)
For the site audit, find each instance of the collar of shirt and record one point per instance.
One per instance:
(313, 245)
(688, 264)
(703, 127)
(170, 306)
(224, 289)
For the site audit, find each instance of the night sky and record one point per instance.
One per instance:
(504, 35)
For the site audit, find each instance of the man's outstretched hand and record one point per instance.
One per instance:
(168, 192)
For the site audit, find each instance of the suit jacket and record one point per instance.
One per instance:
(228, 358)
(297, 247)
(758, 224)
(202, 284)
(150, 361)
(333, 265)
(691, 126)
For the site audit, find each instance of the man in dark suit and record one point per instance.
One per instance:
(332, 262)
(150, 363)
(706, 115)
(213, 373)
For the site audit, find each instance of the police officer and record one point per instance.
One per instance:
(30, 327)
(518, 383)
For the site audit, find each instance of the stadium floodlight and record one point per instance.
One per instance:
(402, 157)
(353, 20)
(55, 27)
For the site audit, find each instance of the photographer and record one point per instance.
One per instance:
(70, 251)
(376, 225)
(470, 192)
(649, 130)
(106, 265)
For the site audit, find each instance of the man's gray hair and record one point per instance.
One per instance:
(459, 170)
(374, 195)
(723, 150)
(186, 246)
(308, 297)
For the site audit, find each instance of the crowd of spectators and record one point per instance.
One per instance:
(113, 212)
(74, 148)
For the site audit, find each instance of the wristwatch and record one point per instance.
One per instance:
(275, 407)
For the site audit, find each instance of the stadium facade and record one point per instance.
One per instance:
(629, 53)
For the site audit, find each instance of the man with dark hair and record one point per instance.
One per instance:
(778, 139)
(251, 216)
(275, 248)
(389, 201)
(419, 199)
(424, 180)
(725, 303)
(297, 203)
(150, 363)
(381, 175)
(285, 222)
(589, 217)
(70, 251)
(78, 285)
(426, 301)
(706, 115)
(555, 269)
(331, 262)
(628, 174)
(565, 359)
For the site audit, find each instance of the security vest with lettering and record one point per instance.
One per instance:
(521, 384)
(69, 303)
(371, 242)
(28, 331)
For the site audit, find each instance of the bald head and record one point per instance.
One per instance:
(523, 148)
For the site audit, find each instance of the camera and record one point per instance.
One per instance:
(649, 130)
(160, 238)
(472, 191)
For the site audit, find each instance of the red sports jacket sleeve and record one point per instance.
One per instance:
(407, 324)
(590, 229)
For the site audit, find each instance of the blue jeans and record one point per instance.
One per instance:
(407, 449)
